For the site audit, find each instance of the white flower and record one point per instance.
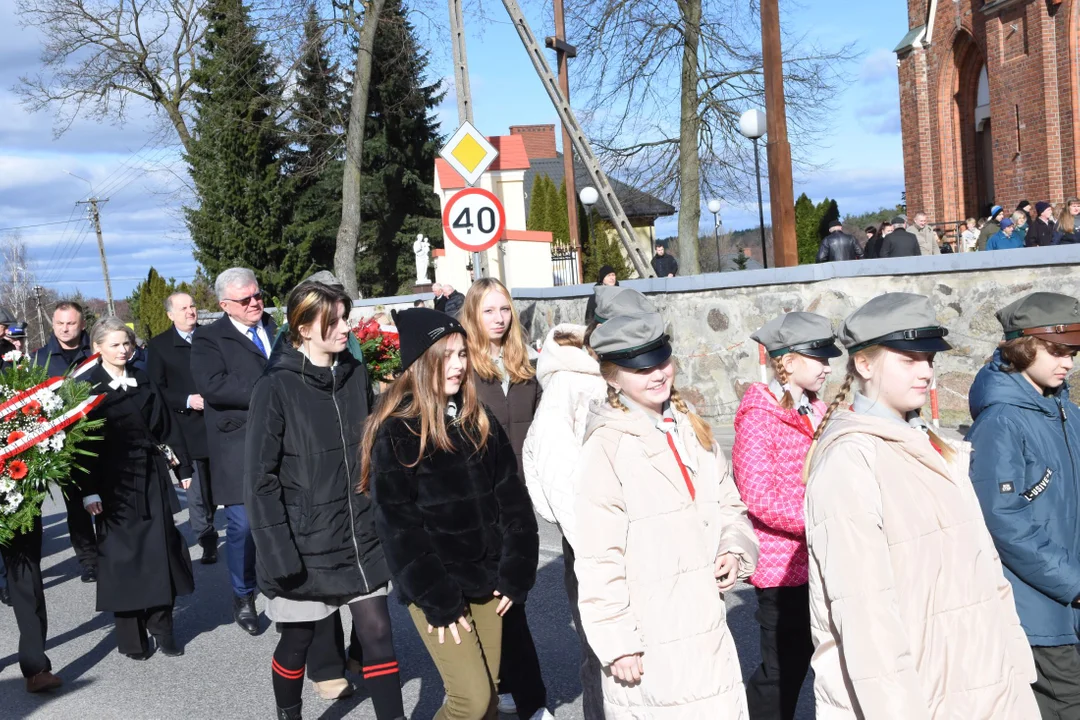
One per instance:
(13, 356)
(7, 485)
(56, 442)
(50, 401)
(14, 500)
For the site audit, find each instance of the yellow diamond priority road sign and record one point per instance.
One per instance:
(469, 153)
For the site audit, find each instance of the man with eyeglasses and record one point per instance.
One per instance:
(227, 357)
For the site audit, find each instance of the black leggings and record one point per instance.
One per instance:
(371, 624)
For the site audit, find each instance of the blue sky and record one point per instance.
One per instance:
(859, 160)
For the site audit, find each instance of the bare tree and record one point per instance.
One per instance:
(17, 282)
(638, 60)
(348, 237)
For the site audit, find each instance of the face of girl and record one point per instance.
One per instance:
(808, 373)
(455, 364)
(900, 381)
(650, 388)
(115, 348)
(334, 340)
(1074, 208)
(1049, 371)
(495, 315)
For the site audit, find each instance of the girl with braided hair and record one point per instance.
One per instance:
(774, 427)
(910, 612)
(661, 536)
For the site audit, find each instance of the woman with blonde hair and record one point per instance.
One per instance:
(662, 535)
(911, 614)
(453, 516)
(1068, 228)
(774, 427)
(506, 384)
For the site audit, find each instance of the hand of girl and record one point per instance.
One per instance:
(453, 630)
(726, 571)
(504, 604)
(94, 508)
(629, 668)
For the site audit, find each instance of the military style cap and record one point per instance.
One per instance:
(326, 278)
(6, 318)
(615, 300)
(1050, 316)
(799, 332)
(901, 321)
(632, 341)
(17, 331)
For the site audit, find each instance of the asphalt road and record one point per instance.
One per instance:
(226, 674)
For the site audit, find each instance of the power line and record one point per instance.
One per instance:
(37, 225)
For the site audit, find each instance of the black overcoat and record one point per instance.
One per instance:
(456, 526)
(514, 410)
(225, 365)
(169, 367)
(143, 560)
(314, 531)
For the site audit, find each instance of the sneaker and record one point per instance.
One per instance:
(542, 714)
(507, 706)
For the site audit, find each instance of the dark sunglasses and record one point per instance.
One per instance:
(245, 301)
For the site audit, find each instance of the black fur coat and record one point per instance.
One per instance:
(457, 526)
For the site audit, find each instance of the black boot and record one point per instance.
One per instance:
(167, 645)
(209, 553)
(290, 713)
(244, 613)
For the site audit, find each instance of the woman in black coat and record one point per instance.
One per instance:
(506, 384)
(317, 549)
(143, 560)
(455, 519)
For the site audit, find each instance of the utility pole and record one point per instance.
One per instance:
(95, 217)
(781, 193)
(461, 63)
(40, 315)
(563, 52)
(581, 143)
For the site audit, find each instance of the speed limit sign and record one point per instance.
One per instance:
(474, 219)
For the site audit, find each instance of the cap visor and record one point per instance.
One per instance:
(1072, 339)
(649, 359)
(825, 353)
(926, 345)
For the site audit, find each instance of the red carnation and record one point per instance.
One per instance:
(16, 469)
(17, 435)
(42, 419)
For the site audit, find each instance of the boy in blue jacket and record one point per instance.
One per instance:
(1025, 454)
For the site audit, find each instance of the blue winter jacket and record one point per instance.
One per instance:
(51, 355)
(1024, 466)
(1001, 241)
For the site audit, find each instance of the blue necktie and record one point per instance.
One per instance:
(254, 333)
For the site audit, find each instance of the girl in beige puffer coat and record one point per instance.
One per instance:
(661, 534)
(911, 614)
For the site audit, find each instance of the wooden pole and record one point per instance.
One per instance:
(563, 53)
(781, 192)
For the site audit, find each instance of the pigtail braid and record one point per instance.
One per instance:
(786, 401)
(614, 401)
(840, 397)
(702, 429)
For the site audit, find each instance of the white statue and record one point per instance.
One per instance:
(420, 249)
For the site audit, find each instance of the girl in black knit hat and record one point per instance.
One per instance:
(455, 521)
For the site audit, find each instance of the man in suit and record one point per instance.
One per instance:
(69, 346)
(169, 366)
(227, 357)
(900, 242)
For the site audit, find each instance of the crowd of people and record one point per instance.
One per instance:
(1029, 225)
(918, 577)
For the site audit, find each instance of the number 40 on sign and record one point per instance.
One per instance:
(474, 219)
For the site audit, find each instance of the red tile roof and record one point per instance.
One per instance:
(512, 156)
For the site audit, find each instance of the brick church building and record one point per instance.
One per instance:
(989, 104)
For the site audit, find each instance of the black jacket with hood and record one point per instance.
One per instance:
(315, 534)
(457, 525)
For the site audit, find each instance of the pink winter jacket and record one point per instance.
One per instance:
(770, 447)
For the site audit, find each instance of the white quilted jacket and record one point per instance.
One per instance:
(570, 379)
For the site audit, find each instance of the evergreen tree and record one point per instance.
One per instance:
(604, 248)
(235, 154)
(830, 212)
(808, 220)
(313, 161)
(401, 141)
(540, 204)
(560, 223)
(147, 304)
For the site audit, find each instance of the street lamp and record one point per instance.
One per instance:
(714, 208)
(752, 125)
(588, 197)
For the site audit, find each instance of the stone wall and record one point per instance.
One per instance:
(710, 317)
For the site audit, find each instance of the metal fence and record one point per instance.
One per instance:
(564, 265)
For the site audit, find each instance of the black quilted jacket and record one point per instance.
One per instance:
(458, 525)
(315, 534)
